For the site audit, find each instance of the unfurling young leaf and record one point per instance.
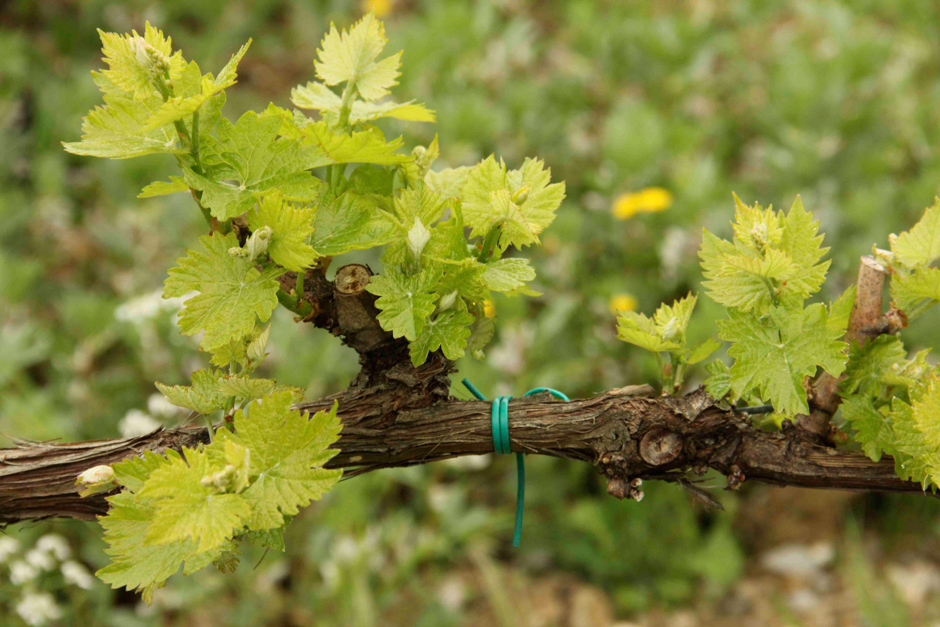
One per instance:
(665, 332)
(772, 260)
(291, 228)
(522, 199)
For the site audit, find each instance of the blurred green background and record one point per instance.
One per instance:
(836, 101)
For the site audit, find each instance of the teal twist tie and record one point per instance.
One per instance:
(499, 417)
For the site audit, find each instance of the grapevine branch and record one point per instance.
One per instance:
(396, 415)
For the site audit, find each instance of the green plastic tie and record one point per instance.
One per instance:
(499, 416)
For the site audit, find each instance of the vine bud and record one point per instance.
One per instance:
(761, 236)
(886, 257)
(222, 480)
(521, 195)
(447, 301)
(671, 329)
(96, 479)
(258, 345)
(148, 57)
(256, 245)
(422, 160)
(418, 238)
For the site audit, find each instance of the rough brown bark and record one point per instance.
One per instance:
(626, 437)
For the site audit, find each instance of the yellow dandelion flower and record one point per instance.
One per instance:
(622, 302)
(648, 200)
(488, 309)
(381, 8)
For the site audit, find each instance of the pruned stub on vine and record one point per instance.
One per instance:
(657, 437)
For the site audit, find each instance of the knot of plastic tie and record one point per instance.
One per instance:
(499, 416)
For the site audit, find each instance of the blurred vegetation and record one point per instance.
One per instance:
(836, 101)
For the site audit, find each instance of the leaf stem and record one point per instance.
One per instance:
(345, 107)
(209, 427)
(194, 143)
(490, 241)
(299, 285)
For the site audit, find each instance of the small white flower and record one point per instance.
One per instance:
(148, 306)
(40, 559)
(77, 574)
(136, 423)
(346, 549)
(157, 405)
(55, 544)
(21, 572)
(8, 547)
(38, 608)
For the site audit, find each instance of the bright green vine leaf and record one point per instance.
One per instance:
(135, 564)
(175, 185)
(917, 291)
(246, 388)
(872, 427)
(288, 451)
(913, 425)
(803, 243)
(291, 228)
(203, 396)
(233, 295)
(772, 260)
(869, 362)
(508, 275)
(247, 351)
(773, 354)
(522, 199)
(449, 182)
(367, 146)
(921, 245)
(664, 332)
(187, 508)
(349, 222)
(702, 351)
(727, 286)
(448, 331)
(352, 56)
(718, 384)
(269, 538)
(184, 104)
(405, 302)
(635, 328)
(319, 97)
(250, 153)
(117, 130)
(411, 207)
